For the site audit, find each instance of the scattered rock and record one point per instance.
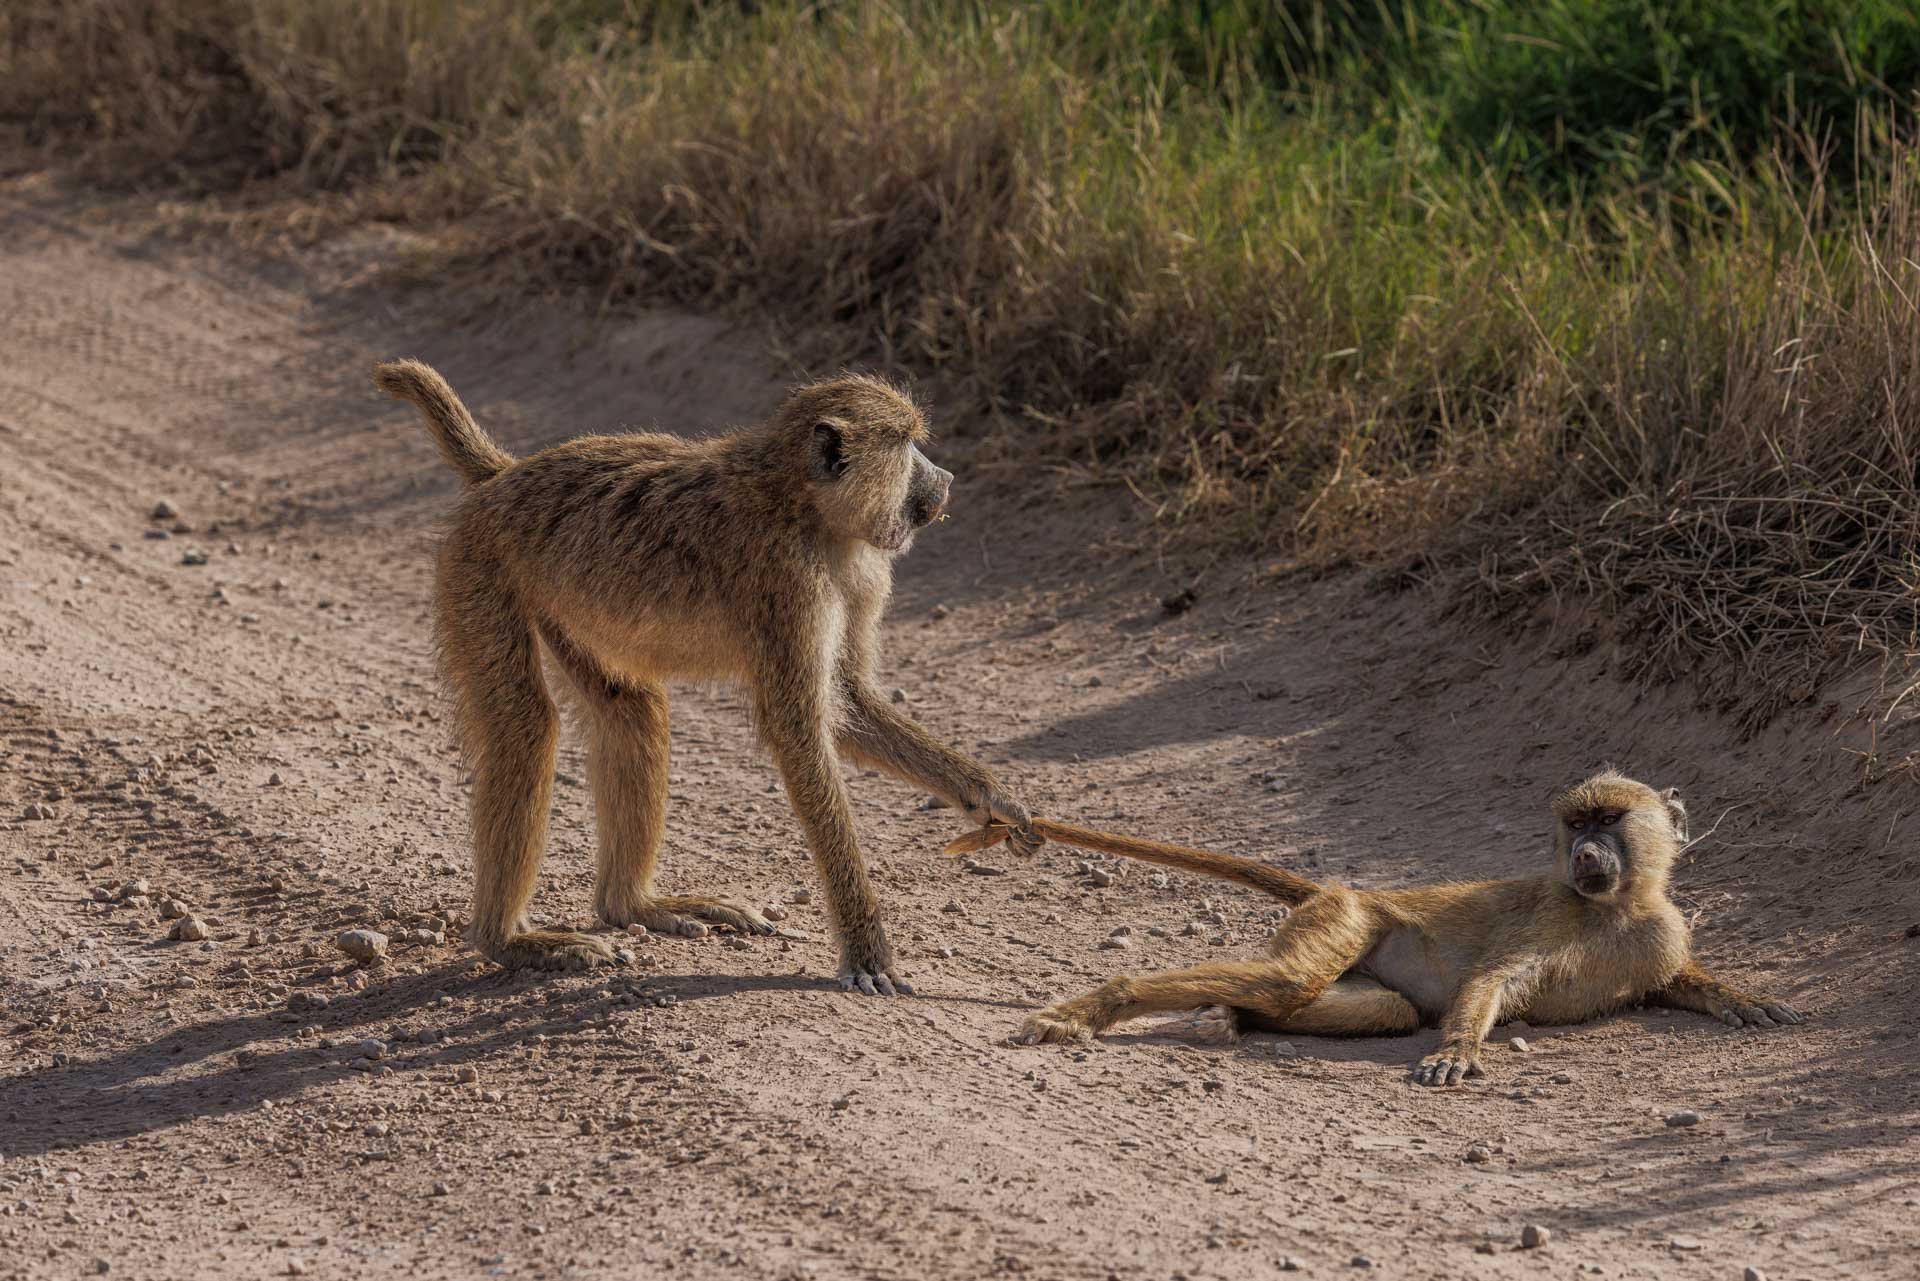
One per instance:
(440, 1189)
(842, 1103)
(1753, 1274)
(1358, 1260)
(163, 509)
(38, 811)
(774, 912)
(172, 909)
(1533, 1236)
(140, 887)
(1478, 1154)
(274, 780)
(467, 1075)
(1519, 1045)
(1685, 1244)
(193, 556)
(637, 930)
(371, 1049)
(1288, 1263)
(1100, 876)
(1115, 943)
(363, 945)
(939, 611)
(188, 929)
(800, 894)
(1684, 1117)
(305, 1002)
(898, 695)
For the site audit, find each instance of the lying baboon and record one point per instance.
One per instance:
(1597, 935)
(764, 556)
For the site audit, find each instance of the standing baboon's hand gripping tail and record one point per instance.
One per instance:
(763, 556)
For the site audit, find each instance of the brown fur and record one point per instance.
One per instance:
(764, 556)
(1464, 956)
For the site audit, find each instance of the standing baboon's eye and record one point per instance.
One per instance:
(830, 450)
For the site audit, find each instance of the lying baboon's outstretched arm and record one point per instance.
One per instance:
(1695, 989)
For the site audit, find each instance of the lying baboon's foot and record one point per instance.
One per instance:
(685, 915)
(1048, 1027)
(552, 950)
(1214, 1025)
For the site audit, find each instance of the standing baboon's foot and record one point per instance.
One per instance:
(867, 965)
(683, 915)
(552, 950)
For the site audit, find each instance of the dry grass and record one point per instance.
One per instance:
(1304, 335)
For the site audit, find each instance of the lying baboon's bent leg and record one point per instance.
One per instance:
(1321, 940)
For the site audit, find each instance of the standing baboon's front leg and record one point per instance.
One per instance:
(1695, 989)
(793, 717)
(873, 734)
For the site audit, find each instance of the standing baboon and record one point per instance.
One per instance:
(764, 556)
(1599, 934)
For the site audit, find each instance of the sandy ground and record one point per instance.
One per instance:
(262, 737)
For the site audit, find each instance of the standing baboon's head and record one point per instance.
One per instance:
(864, 468)
(1616, 837)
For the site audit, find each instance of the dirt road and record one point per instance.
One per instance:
(261, 736)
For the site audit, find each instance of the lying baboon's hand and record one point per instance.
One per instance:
(1762, 1013)
(1448, 1065)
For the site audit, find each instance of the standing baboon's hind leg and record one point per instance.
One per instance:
(511, 732)
(628, 746)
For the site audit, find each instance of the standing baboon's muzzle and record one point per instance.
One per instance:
(929, 499)
(1595, 864)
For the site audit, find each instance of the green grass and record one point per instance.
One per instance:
(1603, 298)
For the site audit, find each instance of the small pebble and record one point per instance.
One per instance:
(1533, 1236)
(1100, 876)
(1685, 1244)
(1519, 1045)
(163, 509)
(1753, 1274)
(172, 909)
(1478, 1154)
(842, 1103)
(188, 929)
(1684, 1117)
(362, 945)
(1361, 1261)
(467, 1075)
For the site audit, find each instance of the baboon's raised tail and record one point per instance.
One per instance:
(1281, 884)
(467, 449)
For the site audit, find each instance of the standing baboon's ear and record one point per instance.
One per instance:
(1676, 812)
(829, 450)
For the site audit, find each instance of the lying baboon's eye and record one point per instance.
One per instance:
(1610, 819)
(1577, 824)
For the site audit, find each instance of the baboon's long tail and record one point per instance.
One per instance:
(1282, 885)
(467, 449)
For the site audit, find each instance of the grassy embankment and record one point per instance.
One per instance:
(1610, 298)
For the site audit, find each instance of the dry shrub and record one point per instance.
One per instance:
(1337, 348)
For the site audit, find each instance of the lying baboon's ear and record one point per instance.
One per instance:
(1676, 813)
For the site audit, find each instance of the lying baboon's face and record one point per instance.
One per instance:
(870, 480)
(1613, 830)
